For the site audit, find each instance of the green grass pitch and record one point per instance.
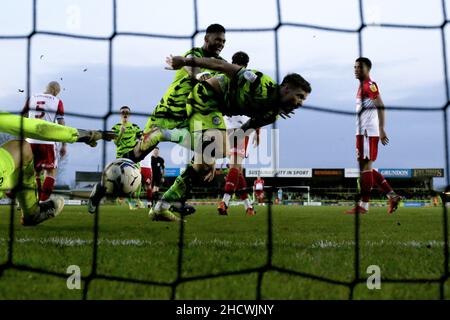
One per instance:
(316, 241)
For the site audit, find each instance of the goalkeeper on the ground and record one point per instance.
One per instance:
(16, 161)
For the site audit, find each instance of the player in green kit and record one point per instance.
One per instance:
(128, 134)
(237, 91)
(170, 114)
(16, 161)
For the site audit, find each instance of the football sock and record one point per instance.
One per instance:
(27, 196)
(7, 167)
(39, 185)
(381, 182)
(366, 185)
(183, 183)
(162, 205)
(364, 205)
(226, 198)
(391, 194)
(247, 204)
(152, 141)
(47, 188)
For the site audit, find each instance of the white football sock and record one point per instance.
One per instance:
(162, 205)
(391, 194)
(226, 198)
(247, 204)
(364, 205)
(165, 205)
(158, 206)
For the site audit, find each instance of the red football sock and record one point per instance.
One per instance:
(231, 180)
(39, 185)
(47, 188)
(242, 184)
(381, 182)
(366, 185)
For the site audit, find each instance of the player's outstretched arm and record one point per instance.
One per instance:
(255, 123)
(178, 62)
(91, 137)
(44, 130)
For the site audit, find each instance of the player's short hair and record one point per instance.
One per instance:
(54, 86)
(297, 81)
(240, 58)
(124, 107)
(365, 61)
(215, 28)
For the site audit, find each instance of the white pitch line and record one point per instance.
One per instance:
(260, 243)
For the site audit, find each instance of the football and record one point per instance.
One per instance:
(121, 177)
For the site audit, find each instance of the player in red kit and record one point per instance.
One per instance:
(146, 172)
(369, 131)
(46, 106)
(258, 187)
(235, 180)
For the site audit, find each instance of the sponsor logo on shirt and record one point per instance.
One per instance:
(250, 76)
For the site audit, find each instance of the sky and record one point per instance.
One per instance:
(407, 65)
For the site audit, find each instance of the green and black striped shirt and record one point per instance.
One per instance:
(173, 103)
(126, 141)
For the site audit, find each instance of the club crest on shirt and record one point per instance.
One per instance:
(373, 87)
(216, 120)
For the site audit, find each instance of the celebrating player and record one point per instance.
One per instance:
(171, 114)
(237, 92)
(369, 131)
(16, 161)
(46, 106)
